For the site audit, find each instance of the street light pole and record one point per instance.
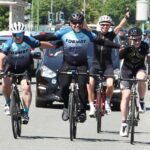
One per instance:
(38, 7)
(52, 11)
(84, 7)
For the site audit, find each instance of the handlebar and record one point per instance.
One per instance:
(10, 74)
(72, 72)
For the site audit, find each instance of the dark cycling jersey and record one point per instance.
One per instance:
(102, 54)
(19, 55)
(135, 58)
(76, 44)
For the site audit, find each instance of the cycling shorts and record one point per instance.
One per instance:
(129, 73)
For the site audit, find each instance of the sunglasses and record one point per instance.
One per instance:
(74, 22)
(18, 34)
(105, 25)
(136, 39)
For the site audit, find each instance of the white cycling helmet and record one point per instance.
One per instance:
(105, 18)
(17, 27)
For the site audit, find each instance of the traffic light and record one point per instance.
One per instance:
(50, 16)
(61, 16)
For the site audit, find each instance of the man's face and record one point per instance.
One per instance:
(105, 27)
(76, 26)
(18, 37)
(135, 41)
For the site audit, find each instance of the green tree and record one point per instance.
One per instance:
(116, 9)
(4, 18)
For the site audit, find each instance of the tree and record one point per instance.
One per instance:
(4, 18)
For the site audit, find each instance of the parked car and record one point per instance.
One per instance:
(47, 87)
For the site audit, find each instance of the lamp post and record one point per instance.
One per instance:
(38, 11)
(84, 7)
(142, 11)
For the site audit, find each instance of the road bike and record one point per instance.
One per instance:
(100, 99)
(16, 104)
(133, 114)
(74, 105)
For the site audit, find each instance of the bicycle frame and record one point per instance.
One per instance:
(16, 105)
(133, 115)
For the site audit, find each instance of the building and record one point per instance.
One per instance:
(16, 9)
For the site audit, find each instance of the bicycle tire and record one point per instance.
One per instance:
(99, 110)
(15, 115)
(132, 119)
(72, 117)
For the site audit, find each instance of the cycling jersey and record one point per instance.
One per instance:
(135, 58)
(75, 45)
(19, 55)
(102, 54)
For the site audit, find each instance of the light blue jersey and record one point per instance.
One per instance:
(75, 45)
(19, 55)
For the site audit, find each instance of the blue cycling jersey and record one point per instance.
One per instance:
(75, 45)
(19, 55)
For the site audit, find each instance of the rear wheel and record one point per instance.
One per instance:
(15, 115)
(99, 111)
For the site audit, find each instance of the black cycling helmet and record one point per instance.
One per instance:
(135, 31)
(77, 18)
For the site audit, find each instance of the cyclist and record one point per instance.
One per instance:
(17, 53)
(103, 61)
(134, 53)
(76, 40)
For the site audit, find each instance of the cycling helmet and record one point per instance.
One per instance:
(105, 18)
(135, 31)
(77, 17)
(17, 27)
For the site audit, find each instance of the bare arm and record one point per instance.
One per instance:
(2, 60)
(122, 22)
(46, 45)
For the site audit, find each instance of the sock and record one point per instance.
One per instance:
(124, 121)
(107, 100)
(26, 110)
(8, 101)
(91, 104)
(141, 100)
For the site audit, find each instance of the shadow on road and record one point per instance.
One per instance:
(86, 139)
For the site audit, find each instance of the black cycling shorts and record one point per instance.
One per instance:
(129, 73)
(108, 70)
(22, 70)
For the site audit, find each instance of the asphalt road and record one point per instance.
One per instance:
(47, 131)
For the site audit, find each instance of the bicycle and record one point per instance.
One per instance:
(100, 99)
(133, 115)
(74, 105)
(16, 104)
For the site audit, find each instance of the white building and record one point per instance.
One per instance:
(16, 10)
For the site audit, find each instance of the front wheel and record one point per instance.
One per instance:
(15, 115)
(72, 116)
(132, 119)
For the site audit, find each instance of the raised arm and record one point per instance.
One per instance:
(122, 22)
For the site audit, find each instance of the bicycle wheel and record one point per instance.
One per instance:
(99, 111)
(72, 116)
(15, 115)
(132, 119)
